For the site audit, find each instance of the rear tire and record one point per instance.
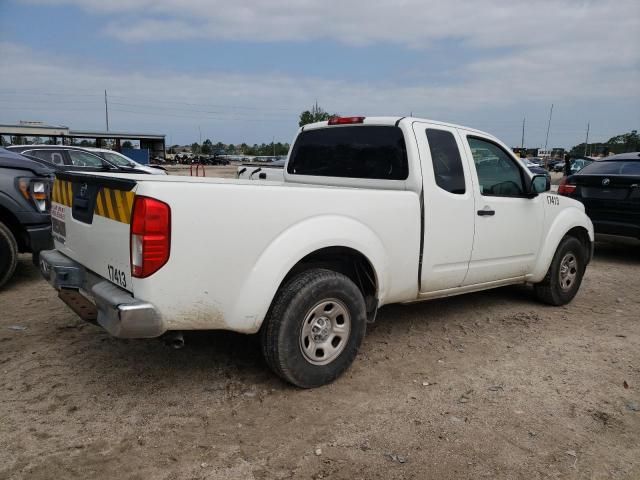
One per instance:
(8, 254)
(565, 273)
(314, 328)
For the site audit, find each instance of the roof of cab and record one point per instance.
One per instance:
(391, 121)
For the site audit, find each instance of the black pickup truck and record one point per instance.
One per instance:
(25, 225)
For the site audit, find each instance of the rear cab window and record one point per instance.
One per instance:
(364, 151)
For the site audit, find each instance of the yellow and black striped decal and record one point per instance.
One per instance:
(110, 203)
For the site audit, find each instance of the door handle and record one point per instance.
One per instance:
(486, 212)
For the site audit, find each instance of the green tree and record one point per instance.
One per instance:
(207, 147)
(626, 142)
(316, 114)
(195, 148)
(127, 144)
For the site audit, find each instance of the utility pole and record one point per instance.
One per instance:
(586, 142)
(200, 133)
(522, 144)
(546, 142)
(106, 109)
(273, 143)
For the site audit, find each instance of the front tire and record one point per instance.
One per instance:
(8, 254)
(314, 328)
(565, 273)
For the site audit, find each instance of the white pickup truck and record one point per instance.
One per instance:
(371, 211)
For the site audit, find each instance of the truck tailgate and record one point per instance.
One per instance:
(91, 216)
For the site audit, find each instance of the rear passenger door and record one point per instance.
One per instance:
(448, 207)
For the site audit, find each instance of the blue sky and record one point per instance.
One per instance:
(243, 70)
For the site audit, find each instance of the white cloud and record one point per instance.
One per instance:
(572, 52)
(485, 23)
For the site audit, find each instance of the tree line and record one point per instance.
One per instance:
(627, 142)
(210, 148)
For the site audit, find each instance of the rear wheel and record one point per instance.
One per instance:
(8, 254)
(565, 273)
(314, 328)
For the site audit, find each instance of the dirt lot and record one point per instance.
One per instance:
(488, 385)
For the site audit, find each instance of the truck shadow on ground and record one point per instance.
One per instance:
(617, 249)
(218, 358)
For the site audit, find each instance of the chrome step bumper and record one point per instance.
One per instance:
(97, 300)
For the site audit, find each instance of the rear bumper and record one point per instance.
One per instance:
(96, 299)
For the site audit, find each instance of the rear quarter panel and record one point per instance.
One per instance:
(232, 245)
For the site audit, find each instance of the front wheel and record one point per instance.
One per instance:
(8, 254)
(565, 273)
(314, 328)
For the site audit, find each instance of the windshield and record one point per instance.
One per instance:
(612, 168)
(116, 159)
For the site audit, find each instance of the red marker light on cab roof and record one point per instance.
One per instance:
(345, 120)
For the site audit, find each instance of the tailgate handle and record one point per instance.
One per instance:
(81, 203)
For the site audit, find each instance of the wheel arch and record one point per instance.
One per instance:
(347, 261)
(572, 222)
(12, 223)
(335, 242)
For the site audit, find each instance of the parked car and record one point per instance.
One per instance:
(25, 224)
(63, 157)
(552, 163)
(610, 192)
(578, 164)
(535, 168)
(371, 211)
(125, 162)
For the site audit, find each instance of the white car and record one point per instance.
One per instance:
(371, 211)
(123, 161)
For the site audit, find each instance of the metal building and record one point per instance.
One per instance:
(57, 134)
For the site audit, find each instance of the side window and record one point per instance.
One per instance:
(83, 159)
(447, 164)
(57, 158)
(46, 155)
(498, 173)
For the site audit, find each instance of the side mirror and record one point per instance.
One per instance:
(540, 183)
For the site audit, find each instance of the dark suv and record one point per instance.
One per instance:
(25, 225)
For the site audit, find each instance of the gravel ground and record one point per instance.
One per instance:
(487, 385)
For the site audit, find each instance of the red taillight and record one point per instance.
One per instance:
(565, 188)
(150, 236)
(345, 120)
